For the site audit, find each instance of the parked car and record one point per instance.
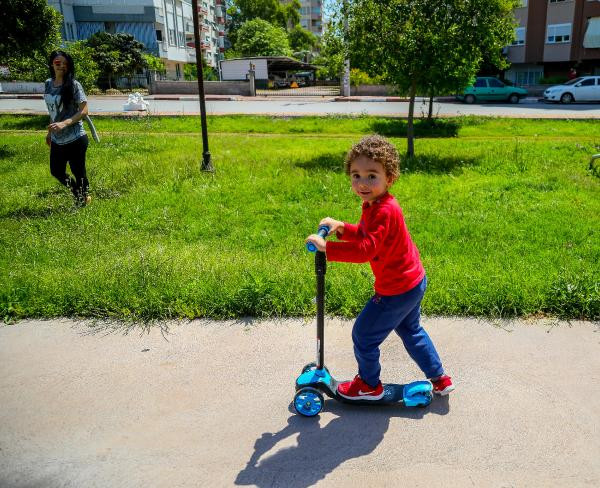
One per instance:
(281, 84)
(490, 89)
(582, 89)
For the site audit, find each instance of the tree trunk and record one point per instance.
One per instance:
(430, 114)
(410, 131)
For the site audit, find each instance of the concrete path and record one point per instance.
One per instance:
(207, 404)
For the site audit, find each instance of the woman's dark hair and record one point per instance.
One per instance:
(66, 91)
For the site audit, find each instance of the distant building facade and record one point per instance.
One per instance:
(165, 27)
(552, 37)
(311, 16)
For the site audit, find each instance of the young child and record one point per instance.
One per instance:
(382, 239)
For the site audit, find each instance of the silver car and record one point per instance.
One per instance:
(582, 89)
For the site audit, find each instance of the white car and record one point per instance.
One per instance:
(582, 89)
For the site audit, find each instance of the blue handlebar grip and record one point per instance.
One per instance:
(323, 231)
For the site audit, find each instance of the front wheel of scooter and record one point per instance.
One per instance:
(308, 402)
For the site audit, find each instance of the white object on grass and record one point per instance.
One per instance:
(135, 102)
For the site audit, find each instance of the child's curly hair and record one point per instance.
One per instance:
(378, 149)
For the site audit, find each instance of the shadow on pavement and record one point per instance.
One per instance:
(355, 432)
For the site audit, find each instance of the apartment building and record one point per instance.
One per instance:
(311, 16)
(553, 36)
(165, 27)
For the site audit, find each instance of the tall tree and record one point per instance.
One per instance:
(284, 15)
(29, 27)
(419, 44)
(117, 55)
(301, 39)
(260, 38)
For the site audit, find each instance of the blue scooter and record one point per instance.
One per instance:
(316, 380)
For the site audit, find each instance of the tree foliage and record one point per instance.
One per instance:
(29, 27)
(117, 55)
(273, 11)
(422, 46)
(208, 72)
(331, 56)
(301, 39)
(260, 38)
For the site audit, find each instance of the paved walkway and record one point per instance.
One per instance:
(318, 106)
(206, 404)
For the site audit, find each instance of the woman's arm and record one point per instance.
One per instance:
(58, 126)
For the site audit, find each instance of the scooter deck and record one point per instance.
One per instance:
(415, 394)
(392, 393)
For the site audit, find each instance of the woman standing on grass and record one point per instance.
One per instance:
(67, 105)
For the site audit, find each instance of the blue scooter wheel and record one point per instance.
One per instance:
(308, 402)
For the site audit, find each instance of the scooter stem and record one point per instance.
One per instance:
(320, 270)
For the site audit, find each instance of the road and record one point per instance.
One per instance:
(206, 404)
(327, 106)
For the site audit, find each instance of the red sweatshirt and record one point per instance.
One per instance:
(382, 239)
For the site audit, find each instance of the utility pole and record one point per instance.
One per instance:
(206, 163)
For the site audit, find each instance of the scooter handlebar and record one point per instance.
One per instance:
(323, 232)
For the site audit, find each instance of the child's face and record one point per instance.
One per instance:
(369, 180)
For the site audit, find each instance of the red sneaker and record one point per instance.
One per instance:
(443, 385)
(357, 389)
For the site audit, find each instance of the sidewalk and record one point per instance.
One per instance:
(202, 403)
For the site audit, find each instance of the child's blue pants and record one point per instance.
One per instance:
(401, 313)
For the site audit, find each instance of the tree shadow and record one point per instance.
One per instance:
(422, 163)
(435, 164)
(320, 450)
(333, 161)
(27, 122)
(7, 152)
(422, 127)
(24, 213)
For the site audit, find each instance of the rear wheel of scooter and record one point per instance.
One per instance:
(308, 402)
(427, 398)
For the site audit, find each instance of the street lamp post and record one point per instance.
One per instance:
(206, 163)
(346, 74)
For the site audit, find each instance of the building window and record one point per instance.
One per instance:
(519, 39)
(528, 77)
(557, 1)
(181, 38)
(558, 33)
(159, 35)
(172, 38)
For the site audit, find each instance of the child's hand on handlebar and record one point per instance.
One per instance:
(334, 225)
(318, 241)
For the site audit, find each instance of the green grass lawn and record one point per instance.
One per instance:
(505, 212)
